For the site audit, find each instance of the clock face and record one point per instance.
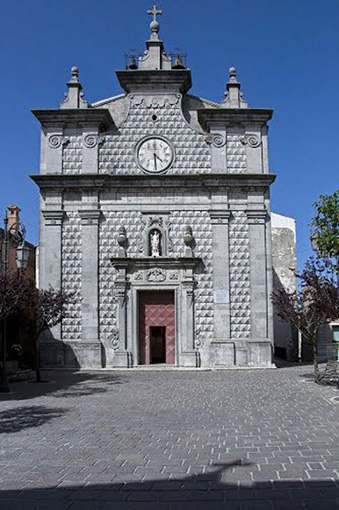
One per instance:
(154, 155)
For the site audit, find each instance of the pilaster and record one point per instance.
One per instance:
(90, 277)
(253, 143)
(122, 356)
(90, 150)
(222, 348)
(257, 235)
(53, 150)
(187, 356)
(218, 148)
(51, 254)
(221, 274)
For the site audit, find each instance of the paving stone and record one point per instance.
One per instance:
(236, 440)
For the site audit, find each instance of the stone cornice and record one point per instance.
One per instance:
(89, 216)
(53, 216)
(100, 117)
(150, 262)
(156, 80)
(220, 216)
(151, 183)
(256, 216)
(208, 116)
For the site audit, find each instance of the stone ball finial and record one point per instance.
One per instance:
(74, 75)
(155, 26)
(233, 72)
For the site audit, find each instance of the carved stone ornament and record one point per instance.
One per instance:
(91, 140)
(170, 247)
(251, 140)
(188, 236)
(122, 239)
(198, 339)
(114, 342)
(155, 221)
(156, 275)
(55, 141)
(120, 291)
(139, 276)
(140, 239)
(218, 140)
(173, 275)
(155, 101)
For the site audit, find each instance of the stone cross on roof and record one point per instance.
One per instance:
(155, 12)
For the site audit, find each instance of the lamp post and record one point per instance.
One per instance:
(14, 236)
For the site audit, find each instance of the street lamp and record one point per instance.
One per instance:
(22, 256)
(14, 236)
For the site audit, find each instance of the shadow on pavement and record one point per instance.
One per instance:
(210, 491)
(283, 363)
(15, 420)
(63, 384)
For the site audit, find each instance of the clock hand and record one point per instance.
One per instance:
(155, 161)
(156, 155)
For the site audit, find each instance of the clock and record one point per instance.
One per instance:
(154, 154)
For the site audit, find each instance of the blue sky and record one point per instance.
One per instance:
(286, 54)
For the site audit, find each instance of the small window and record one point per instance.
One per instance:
(335, 331)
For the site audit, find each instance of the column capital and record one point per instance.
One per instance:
(256, 216)
(53, 217)
(220, 216)
(90, 216)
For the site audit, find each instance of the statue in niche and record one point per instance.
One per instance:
(155, 243)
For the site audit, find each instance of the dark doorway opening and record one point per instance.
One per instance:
(158, 344)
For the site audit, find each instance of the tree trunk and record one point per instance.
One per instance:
(315, 359)
(37, 360)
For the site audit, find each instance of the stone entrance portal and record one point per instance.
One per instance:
(156, 327)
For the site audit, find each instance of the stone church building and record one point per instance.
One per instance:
(155, 210)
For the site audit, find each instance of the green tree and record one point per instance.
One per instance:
(325, 230)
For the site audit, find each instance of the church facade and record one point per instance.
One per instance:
(155, 211)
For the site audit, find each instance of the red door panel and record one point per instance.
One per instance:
(156, 309)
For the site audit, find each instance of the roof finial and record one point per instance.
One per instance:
(74, 94)
(155, 26)
(233, 95)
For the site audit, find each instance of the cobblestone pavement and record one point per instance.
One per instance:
(202, 440)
